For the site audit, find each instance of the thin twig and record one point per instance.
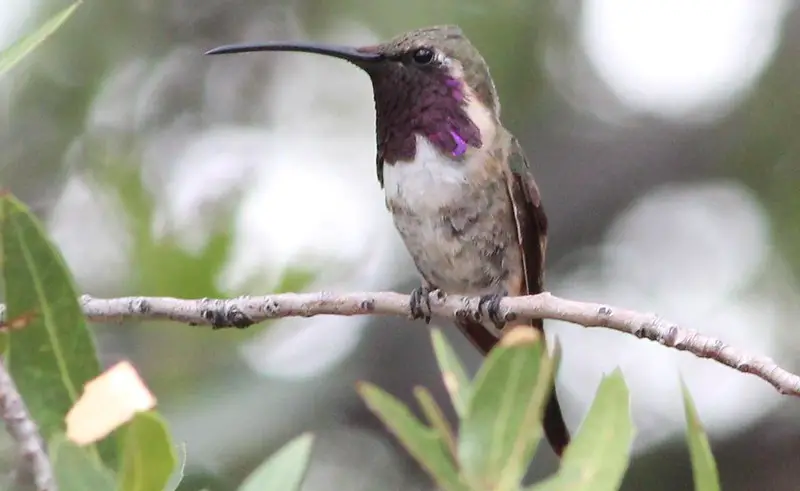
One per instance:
(25, 432)
(242, 312)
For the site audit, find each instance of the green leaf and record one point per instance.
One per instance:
(436, 419)
(54, 355)
(704, 468)
(453, 373)
(283, 471)
(22, 47)
(503, 422)
(149, 459)
(177, 474)
(420, 441)
(598, 456)
(76, 468)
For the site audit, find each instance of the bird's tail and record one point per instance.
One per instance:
(555, 428)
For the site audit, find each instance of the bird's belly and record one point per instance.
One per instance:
(463, 261)
(456, 221)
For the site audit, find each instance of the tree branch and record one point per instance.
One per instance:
(242, 312)
(24, 431)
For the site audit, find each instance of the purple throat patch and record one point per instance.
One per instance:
(461, 145)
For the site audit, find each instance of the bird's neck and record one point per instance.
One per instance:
(457, 144)
(455, 124)
(432, 181)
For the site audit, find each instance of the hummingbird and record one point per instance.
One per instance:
(457, 183)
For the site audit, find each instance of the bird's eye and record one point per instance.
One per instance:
(422, 56)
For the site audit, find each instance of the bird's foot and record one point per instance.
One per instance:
(492, 303)
(420, 303)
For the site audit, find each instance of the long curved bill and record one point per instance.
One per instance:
(353, 55)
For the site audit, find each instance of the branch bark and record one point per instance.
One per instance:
(242, 312)
(24, 431)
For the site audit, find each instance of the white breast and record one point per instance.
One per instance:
(428, 183)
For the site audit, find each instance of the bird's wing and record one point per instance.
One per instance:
(532, 236)
(530, 217)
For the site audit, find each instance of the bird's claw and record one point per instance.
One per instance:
(420, 304)
(492, 303)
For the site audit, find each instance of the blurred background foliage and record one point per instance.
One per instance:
(663, 136)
